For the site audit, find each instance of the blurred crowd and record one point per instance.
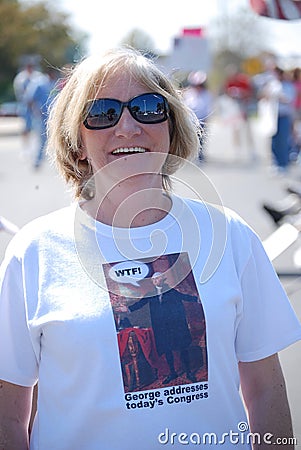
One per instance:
(273, 96)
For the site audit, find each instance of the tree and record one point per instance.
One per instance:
(234, 38)
(240, 33)
(34, 29)
(140, 40)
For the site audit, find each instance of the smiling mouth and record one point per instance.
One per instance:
(128, 150)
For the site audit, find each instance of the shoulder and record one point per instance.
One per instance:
(218, 213)
(222, 226)
(57, 224)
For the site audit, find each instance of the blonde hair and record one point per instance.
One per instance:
(83, 82)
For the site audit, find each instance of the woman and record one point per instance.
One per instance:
(283, 138)
(118, 130)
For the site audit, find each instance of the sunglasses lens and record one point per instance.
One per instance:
(149, 108)
(103, 113)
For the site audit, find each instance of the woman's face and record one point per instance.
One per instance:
(129, 147)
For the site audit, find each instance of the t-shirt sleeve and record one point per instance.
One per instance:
(18, 360)
(267, 321)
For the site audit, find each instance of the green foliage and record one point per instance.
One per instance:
(34, 29)
(140, 40)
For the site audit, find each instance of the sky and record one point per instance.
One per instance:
(108, 22)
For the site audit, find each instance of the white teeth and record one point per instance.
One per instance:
(128, 150)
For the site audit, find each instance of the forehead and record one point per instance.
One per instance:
(158, 278)
(123, 86)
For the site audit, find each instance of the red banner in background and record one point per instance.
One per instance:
(194, 32)
(278, 9)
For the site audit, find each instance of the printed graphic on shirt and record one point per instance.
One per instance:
(160, 325)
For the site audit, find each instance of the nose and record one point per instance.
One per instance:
(127, 126)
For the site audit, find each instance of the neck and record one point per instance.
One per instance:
(127, 205)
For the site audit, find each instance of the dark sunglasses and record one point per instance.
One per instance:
(145, 108)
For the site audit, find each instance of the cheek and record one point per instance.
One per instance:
(166, 143)
(92, 145)
(163, 137)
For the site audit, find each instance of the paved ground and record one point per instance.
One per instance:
(230, 176)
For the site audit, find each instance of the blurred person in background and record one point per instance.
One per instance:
(20, 85)
(276, 95)
(297, 83)
(239, 87)
(38, 97)
(200, 100)
(282, 140)
(296, 146)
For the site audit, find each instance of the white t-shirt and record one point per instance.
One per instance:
(101, 378)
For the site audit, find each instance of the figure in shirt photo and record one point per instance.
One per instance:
(169, 323)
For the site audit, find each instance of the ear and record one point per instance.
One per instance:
(83, 155)
(82, 151)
